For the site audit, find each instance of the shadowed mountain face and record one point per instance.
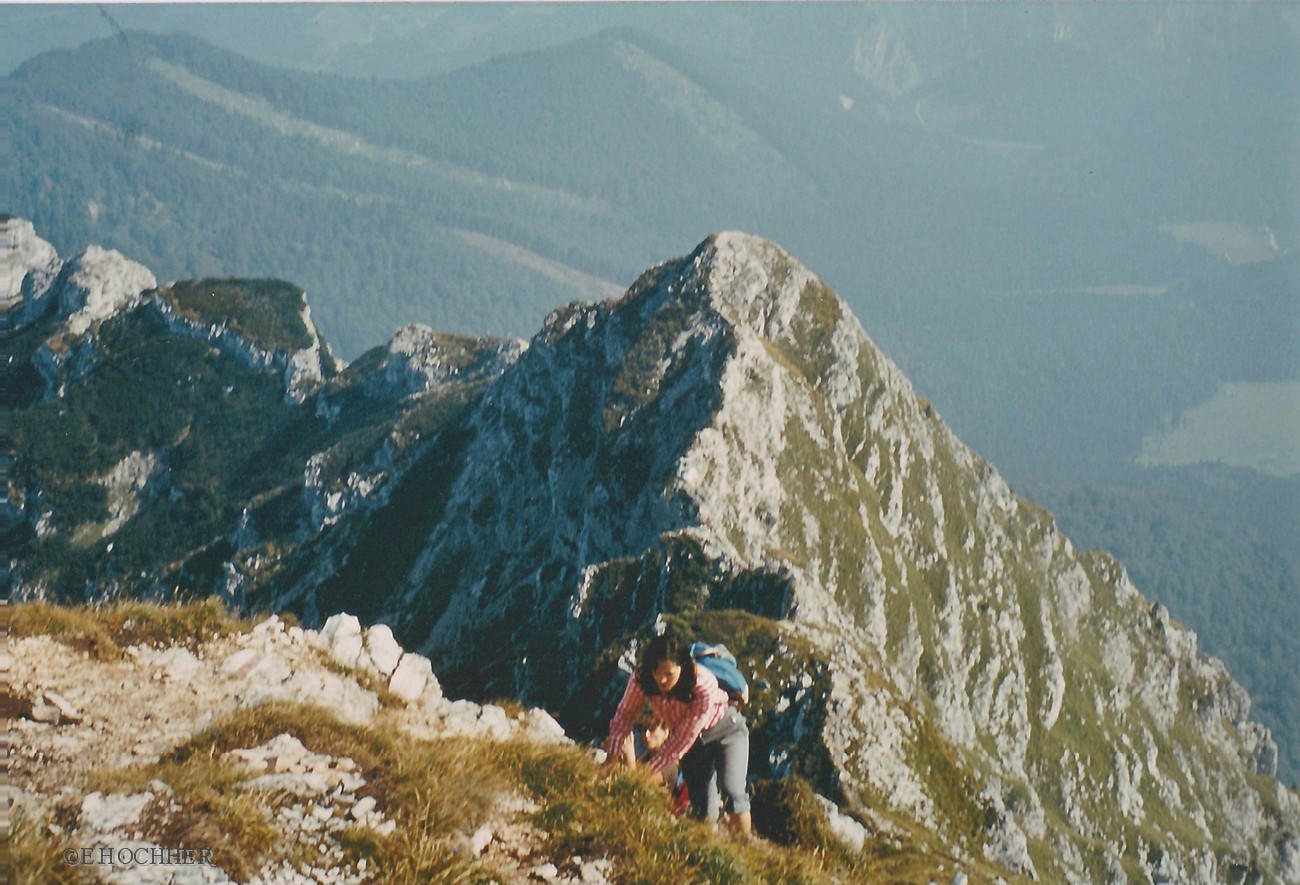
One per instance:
(721, 449)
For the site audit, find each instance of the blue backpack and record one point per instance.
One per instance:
(722, 664)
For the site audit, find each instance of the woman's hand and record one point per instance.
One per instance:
(626, 755)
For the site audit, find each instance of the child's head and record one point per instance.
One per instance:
(653, 729)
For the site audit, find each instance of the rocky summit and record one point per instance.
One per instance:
(724, 449)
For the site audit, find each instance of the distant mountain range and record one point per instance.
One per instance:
(1013, 216)
(723, 448)
(1026, 205)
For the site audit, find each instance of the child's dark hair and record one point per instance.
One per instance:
(648, 719)
(667, 647)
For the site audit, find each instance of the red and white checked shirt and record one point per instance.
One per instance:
(685, 719)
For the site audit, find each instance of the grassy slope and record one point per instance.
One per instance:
(438, 790)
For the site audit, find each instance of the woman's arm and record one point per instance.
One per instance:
(618, 742)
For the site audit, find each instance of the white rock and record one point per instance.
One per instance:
(343, 638)
(340, 624)
(178, 664)
(67, 711)
(286, 782)
(547, 872)
(845, 828)
(102, 283)
(241, 663)
(269, 668)
(412, 676)
(543, 727)
(479, 842)
(458, 716)
(43, 712)
(595, 872)
(494, 723)
(341, 696)
(22, 255)
(363, 806)
(384, 650)
(347, 649)
(284, 746)
(272, 624)
(102, 814)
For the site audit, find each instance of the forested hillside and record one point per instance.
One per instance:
(1010, 284)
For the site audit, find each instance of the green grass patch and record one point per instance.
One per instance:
(626, 818)
(266, 312)
(433, 789)
(814, 328)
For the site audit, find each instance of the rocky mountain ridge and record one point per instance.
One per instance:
(724, 449)
(726, 437)
(215, 401)
(77, 711)
(99, 284)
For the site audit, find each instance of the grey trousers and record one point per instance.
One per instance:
(719, 758)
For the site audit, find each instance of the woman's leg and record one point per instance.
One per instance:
(732, 761)
(699, 772)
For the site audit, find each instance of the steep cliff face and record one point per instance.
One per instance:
(725, 445)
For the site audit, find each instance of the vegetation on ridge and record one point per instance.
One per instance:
(269, 313)
(104, 631)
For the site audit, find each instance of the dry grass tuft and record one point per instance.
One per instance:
(103, 631)
(34, 856)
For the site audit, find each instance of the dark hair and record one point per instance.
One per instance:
(667, 647)
(648, 719)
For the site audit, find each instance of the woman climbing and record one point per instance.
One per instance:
(706, 735)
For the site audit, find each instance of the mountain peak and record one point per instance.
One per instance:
(418, 359)
(761, 287)
(723, 450)
(757, 279)
(22, 252)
